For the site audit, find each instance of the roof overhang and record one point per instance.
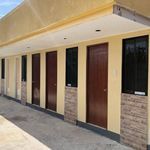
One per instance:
(130, 14)
(121, 21)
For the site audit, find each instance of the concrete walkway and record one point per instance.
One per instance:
(22, 128)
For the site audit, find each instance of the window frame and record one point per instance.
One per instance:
(72, 83)
(134, 91)
(3, 69)
(24, 68)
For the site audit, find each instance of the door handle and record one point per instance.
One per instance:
(55, 84)
(105, 90)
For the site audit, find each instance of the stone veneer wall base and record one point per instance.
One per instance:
(2, 87)
(134, 121)
(23, 93)
(103, 132)
(70, 114)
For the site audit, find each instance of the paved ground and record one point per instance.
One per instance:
(24, 128)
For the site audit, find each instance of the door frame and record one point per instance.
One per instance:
(46, 78)
(7, 67)
(87, 63)
(32, 78)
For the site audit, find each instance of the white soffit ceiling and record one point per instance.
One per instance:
(109, 25)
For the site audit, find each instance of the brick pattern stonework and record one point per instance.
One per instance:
(23, 93)
(2, 87)
(134, 121)
(18, 84)
(71, 105)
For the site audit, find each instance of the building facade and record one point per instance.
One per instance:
(84, 62)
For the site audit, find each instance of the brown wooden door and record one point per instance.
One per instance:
(97, 74)
(36, 79)
(51, 80)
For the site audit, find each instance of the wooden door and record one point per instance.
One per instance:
(51, 80)
(36, 79)
(97, 74)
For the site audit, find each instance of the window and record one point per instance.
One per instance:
(24, 68)
(135, 66)
(3, 69)
(72, 67)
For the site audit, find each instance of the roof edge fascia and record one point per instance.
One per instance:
(13, 11)
(130, 14)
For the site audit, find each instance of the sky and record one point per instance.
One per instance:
(7, 5)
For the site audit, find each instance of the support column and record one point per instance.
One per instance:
(82, 56)
(43, 80)
(29, 78)
(60, 80)
(18, 77)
